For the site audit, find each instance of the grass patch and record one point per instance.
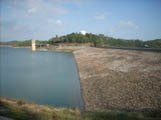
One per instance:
(21, 102)
(21, 110)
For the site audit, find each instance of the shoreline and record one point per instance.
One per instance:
(65, 49)
(45, 49)
(15, 46)
(5, 46)
(20, 47)
(81, 90)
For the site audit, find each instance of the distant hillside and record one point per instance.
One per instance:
(23, 43)
(104, 41)
(18, 43)
(154, 43)
(92, 39)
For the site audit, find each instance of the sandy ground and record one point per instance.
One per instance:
(119, 79)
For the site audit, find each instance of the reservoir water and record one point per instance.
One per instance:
(41, 77)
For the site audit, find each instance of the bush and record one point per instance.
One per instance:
(21, 102)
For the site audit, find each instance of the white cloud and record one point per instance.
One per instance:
(43, 8)
(51, 21)
(76, 2)
(124, 26)
(32, 10)
(100, 17)
(128, 24)
(59, 22)
(60, 11)
(56, 22)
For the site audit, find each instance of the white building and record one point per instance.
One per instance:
(83, 32)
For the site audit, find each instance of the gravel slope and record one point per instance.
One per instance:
(119, 79)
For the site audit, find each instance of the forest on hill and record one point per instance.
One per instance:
(95, 40)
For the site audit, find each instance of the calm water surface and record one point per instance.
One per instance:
(40, 77)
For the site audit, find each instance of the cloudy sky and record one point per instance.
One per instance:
(43, 19)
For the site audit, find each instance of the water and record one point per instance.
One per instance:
(40, 77)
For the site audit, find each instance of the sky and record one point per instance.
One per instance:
(44, 19)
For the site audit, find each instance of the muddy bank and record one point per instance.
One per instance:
(119, 79)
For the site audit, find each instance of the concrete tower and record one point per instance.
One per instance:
(33, 45)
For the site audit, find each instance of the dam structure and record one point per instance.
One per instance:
(33, 45)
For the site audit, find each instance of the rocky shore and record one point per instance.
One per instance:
(119, 79)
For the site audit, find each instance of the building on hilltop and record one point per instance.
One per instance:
(83, 32)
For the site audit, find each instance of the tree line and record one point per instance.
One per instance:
(101, 40)
(95, 40)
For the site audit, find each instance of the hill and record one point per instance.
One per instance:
(92, 40)
(104, 41)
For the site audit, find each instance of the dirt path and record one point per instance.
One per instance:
(119, 79)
